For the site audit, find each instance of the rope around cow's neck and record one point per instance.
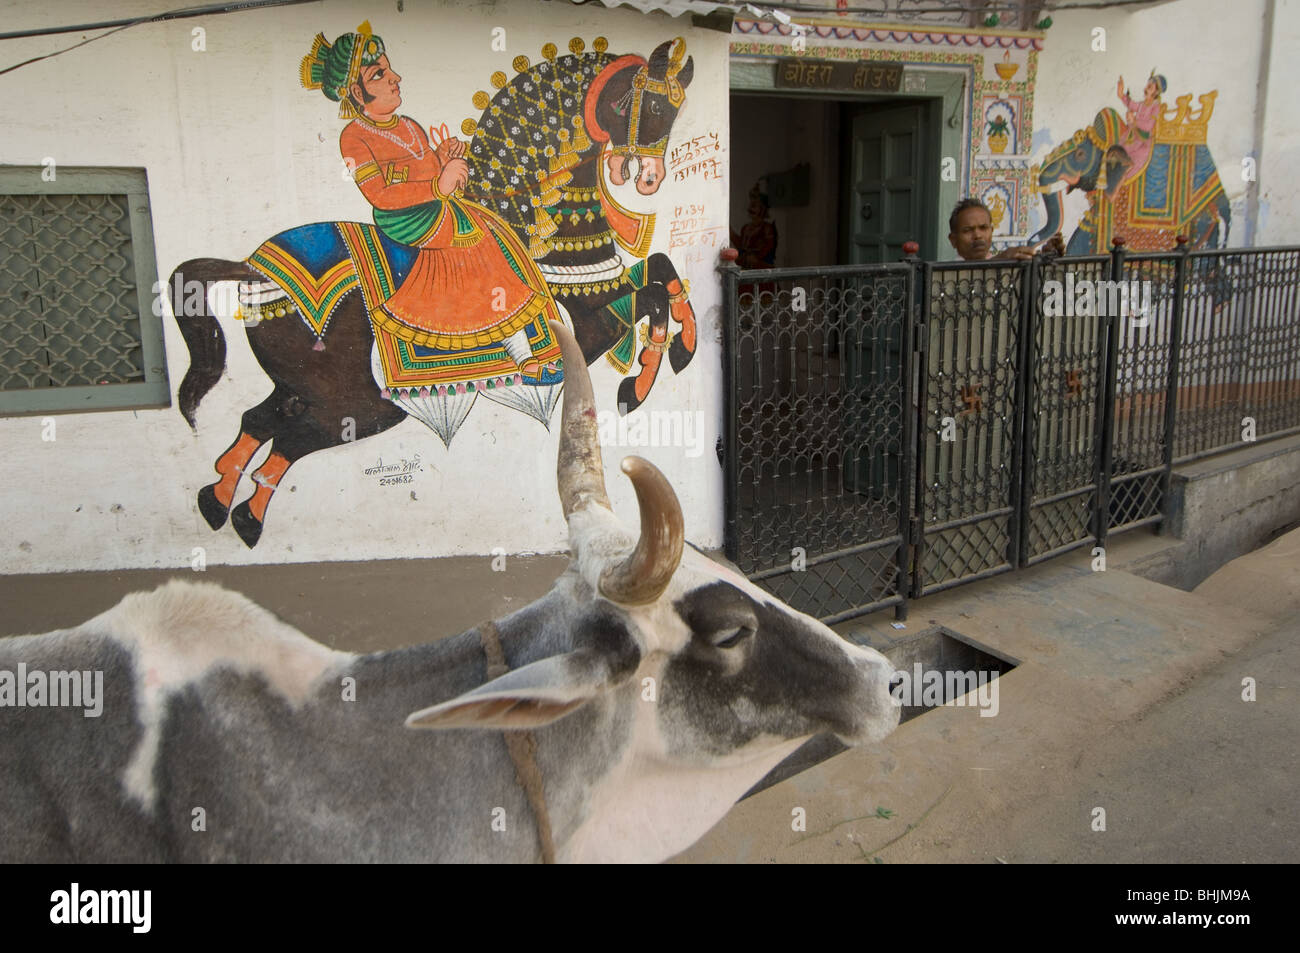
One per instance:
(521, 745)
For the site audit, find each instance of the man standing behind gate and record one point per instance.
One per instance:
(970, 231)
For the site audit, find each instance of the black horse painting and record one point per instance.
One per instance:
(535, 158)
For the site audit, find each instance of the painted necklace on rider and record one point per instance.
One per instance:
(408, 146)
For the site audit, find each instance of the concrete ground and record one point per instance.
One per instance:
(1127, 697)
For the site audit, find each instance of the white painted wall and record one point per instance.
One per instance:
(1279, 132)
(236, 151)
(1199, 46)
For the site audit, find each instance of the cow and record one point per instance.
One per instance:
(617, 718)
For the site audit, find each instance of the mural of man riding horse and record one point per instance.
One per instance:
(475, 246)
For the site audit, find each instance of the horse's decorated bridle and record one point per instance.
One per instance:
(632, 102)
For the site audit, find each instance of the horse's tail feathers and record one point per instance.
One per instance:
(199, 326)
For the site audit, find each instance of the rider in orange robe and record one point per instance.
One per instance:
(473, 282)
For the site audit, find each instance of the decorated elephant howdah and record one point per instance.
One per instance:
(1148, 194)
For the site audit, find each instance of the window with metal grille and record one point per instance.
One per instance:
(78, 328)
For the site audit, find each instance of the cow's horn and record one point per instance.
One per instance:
(580, 471)
(643, 576)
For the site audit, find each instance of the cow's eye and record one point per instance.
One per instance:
(730, 638)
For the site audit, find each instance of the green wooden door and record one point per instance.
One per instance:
(884, 186)
(886, 206)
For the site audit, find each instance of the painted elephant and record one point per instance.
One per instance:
(1177, 193)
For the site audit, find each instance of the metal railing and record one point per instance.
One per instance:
(817, 439)
(895, 430)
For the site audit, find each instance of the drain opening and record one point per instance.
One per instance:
(939, 666)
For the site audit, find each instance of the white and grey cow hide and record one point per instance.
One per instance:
(656, 686)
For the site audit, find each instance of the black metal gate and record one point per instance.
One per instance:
(896, 430)
(1065, 399)
(817, 441)
(970, 339)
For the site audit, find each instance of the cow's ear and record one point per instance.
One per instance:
(528, 697)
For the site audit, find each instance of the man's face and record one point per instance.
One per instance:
(381, 86)
(1152, 90)
(973, 238)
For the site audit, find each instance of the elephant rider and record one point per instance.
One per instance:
(472, 283)
(1140, 122)
(970, 232)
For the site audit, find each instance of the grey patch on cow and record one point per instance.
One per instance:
(788, 681)
(235, 747)
(603, 631)
(70, 805)
(577, 752)
(325, 780)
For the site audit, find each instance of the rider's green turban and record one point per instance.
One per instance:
(333, 69)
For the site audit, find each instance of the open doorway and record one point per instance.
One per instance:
(822, 181)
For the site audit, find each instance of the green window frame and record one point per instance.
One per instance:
(80, 323)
